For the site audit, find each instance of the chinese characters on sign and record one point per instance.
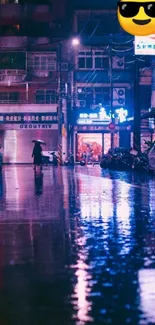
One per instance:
(94, 118)
(145, 45)
(29, 118)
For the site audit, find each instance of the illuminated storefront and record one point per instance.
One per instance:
(89, 143)
(18, 130)
(93, 130)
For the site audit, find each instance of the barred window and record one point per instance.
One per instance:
(93, 60)
(12, 97)
(42, 62)
(46, 96)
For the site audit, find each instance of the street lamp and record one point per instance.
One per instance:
(74, 42)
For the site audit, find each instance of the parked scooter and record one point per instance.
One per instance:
(49, 158)
(141, 163)
(151, 159)
(55, 159)
(105, 161)
(83, 162)
(46, 160)
(69, 161)
(117, 159)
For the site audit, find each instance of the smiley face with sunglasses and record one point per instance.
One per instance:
(137, 17)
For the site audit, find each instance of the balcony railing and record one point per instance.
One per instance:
(14, 102)
(27, 107)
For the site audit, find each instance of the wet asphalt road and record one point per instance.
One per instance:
(77, 246)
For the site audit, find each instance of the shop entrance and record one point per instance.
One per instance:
(93, 145)
(18, 145)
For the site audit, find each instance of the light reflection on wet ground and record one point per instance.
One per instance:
(77, 246)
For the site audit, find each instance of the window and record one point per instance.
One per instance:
(85, 60)
(94, 95)
(101, 62)
(93, 60)
(10, 30)
(9, 97)
(85, 94)
(12, 60)
(102, 95)
(46, 96)
(42, 62)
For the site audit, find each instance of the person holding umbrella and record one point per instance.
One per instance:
(37, 153)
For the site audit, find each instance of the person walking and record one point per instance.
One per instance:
(37, 155)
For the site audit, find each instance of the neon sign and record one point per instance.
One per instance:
(102, 118)
(94, 118)
(122, 114)
(103, 115)
(92, 115)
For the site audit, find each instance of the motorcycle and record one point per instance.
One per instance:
(50, 158)
(105, 161)
(151, 159)
(141, 163)
(55, 159)
(69, 161)
(46, 160)
(124, 162)
(117, 159)
(83, 162)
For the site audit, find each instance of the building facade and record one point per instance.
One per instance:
(30, 36)
(97, 78)
(103, 82)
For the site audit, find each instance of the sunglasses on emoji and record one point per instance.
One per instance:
(131, 9)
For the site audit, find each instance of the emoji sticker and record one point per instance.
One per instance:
(137, 17)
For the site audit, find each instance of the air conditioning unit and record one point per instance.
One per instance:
(81, 103)
(118, 97)
(118, 62)
(64, 66)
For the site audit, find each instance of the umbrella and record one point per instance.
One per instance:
(39, 141)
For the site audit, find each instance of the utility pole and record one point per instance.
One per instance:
(60, 106)
(111, 100)
(111, 94)
(137, 109)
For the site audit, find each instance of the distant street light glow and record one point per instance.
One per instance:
(75, 41)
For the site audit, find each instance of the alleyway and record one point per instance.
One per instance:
(77, 246)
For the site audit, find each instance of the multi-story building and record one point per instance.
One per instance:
(97, 76)
(30, 35)
(103, 82)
